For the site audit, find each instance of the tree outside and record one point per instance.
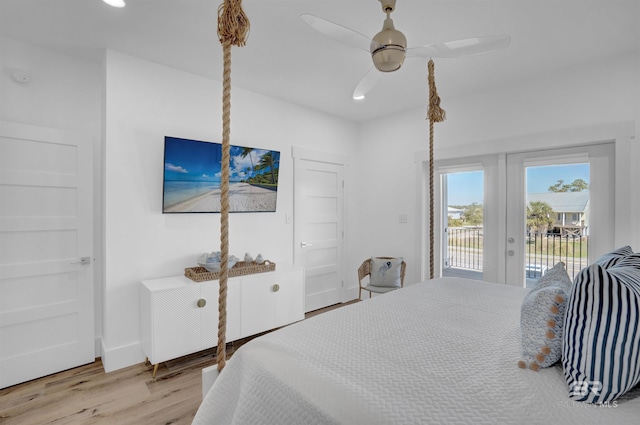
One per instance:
(540, 217)
(471, 216)
(578, 185)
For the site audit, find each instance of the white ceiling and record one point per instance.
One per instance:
(284, 58)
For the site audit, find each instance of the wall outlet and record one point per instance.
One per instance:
(403, 218)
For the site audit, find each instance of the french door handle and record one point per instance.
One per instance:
(305, 244)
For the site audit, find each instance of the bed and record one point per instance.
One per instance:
(440, 351)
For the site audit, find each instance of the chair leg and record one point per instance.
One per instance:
(360, 293)
(369, 294)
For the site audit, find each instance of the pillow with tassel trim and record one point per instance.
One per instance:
(542, 318)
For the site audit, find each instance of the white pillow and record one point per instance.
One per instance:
(386, 272)
(542, 319)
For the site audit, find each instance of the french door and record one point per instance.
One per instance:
(508, 249)
(463, 220)
(579, 224)
(467, 188)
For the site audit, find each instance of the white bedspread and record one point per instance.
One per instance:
(438, 352)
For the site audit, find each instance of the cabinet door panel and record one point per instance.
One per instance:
(290, 297)
(210, 313)
(270, 300)
(176, 323)
(233, 310)
(258, 300)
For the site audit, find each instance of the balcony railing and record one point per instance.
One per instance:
(543, 251)
(465, 248)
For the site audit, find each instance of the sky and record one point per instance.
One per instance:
(192, 160)
(467, 188)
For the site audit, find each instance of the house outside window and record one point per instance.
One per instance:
(571, 211)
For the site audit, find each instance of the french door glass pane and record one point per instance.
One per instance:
(557, 221)
(463, 242)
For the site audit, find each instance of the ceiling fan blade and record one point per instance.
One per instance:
(462, 48)
(338, 32)
(369, 81)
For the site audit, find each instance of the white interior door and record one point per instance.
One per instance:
(46, 271)
(318, 229)
(600, 159)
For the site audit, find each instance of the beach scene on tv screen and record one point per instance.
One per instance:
(192, 177)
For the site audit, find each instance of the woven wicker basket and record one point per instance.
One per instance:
(200, 274)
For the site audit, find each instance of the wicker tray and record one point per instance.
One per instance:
(200, 274)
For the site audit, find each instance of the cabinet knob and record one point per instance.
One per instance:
(201, 302)
(276, 287)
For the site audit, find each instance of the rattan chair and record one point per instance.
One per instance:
(365, 270)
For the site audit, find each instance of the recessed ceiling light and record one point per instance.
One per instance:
(361, 97)
(115, 3)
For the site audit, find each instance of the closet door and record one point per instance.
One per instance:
(46, 252)
(319, 225)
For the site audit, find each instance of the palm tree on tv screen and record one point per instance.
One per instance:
(244, 153)
(268, 161)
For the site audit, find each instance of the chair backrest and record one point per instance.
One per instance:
(365, 269)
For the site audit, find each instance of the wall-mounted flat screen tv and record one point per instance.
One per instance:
(192, 177)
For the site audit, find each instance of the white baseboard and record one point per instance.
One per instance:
(121, 357)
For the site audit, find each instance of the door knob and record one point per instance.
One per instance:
(201, 302)
(83, 260)
(305, 244)
(511, 253)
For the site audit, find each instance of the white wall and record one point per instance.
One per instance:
(64, 93)
(507, 118)
(145, 102)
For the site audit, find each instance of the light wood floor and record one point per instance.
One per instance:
(88, 395)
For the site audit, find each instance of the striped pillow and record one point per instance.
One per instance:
(630, 261)
(611, 258)
(601, 342)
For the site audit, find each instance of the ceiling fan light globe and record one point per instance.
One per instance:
(388, 48)
(388, 58)
(389, 35)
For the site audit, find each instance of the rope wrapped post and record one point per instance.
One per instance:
(434, 114)
(233, 29)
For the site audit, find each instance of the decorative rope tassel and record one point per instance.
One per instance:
(434, 114)
(233, 28)
(233, 24)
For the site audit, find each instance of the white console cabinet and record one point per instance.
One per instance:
(180, 316)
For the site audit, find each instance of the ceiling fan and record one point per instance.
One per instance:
(388, 48)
